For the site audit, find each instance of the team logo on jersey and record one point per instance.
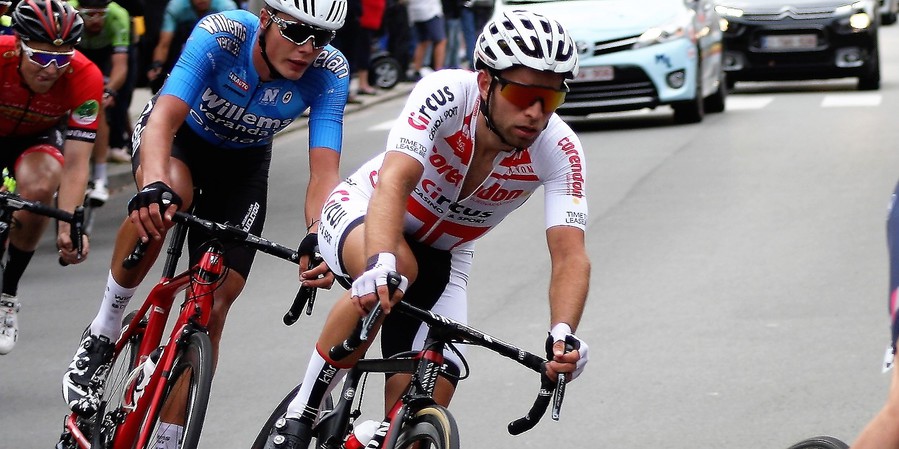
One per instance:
(270, 96)
(10, 54)
(86, 113)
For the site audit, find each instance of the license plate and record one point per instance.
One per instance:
(790, 42)
(601, 73)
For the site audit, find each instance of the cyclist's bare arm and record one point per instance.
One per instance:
(324, 175)
(71, 194)
(569, 282)
(155, 160)
(398, 176)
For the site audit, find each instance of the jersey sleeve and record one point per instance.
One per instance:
(87, 94)
(120, 23)
(565, 180)
(430, 105)
(170, 17)
(330, 89)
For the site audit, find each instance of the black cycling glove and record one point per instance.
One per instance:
(158, 193)
(309, 245)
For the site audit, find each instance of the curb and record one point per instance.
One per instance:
(120, 174)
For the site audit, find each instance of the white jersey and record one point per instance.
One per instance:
(437, 129)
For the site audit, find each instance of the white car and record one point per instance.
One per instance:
(638, 54)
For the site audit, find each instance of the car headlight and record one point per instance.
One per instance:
(727, 11)
(679, 28)
(860, 21)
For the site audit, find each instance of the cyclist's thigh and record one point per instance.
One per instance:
(34, 159)
(440, 287)
(343, 212)
(234, 186)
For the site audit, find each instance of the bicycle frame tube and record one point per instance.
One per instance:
(195, 312)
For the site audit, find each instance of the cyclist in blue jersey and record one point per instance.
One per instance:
(240, 80)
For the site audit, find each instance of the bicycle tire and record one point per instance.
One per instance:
(820, 442)
(116, 385)
(262, 436)
(432, 427)
(195, 362)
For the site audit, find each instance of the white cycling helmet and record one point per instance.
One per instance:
(325, 14)
(525, 38)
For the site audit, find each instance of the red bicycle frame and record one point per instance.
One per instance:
(132, 421)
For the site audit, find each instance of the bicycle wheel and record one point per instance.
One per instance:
(190, 379)
(259, 442)
(432, 427)
(820, 442)
(123, 365)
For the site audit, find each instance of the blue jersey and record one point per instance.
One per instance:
(231, 108)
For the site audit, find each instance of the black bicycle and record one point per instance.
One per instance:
(820, 442)
(11, 202)
(416, 420)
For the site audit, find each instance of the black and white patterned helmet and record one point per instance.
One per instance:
(325, 14)
(525, 38)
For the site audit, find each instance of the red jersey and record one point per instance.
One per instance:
(77, 94)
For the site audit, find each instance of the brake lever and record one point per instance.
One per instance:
(559, 392)
(305, 297)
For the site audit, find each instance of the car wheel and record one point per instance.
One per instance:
(715, 102)
(384, 72)
(870, 80)
(691, 111)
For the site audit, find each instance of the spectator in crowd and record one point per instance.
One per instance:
(107, 36)
(475, 15)
(452, 13)
(430, 32)
(399, 36)
(355, 39)
(177, 23)
(119, 118)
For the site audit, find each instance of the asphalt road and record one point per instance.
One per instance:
(737, 300)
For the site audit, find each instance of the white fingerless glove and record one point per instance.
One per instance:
(562, 332)
(376, 275)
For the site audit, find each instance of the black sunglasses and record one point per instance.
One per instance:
(300, 33)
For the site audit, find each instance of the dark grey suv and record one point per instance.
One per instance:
(801, 39)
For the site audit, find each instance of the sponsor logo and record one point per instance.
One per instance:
(80, 134)
(333, 212)
(215, 110)
(270, 95)
(250, 217)
(217, 23)
(334, 61)
(286, 97)
(445, 168)
(86, 113)
(432, 194)
(576, 177)
(425, 115)
(412, 146)
(578, 218)
(228, 44)
(237, 81)
(497, 194)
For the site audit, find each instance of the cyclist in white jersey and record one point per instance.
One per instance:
(468, 149)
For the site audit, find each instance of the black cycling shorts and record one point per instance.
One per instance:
(14, 147)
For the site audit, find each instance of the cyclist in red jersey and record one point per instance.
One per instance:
(49, 101)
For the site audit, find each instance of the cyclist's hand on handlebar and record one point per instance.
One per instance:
(319, 275)
(67, 251)
(573, 361)
(147, 208)
(371, 286)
